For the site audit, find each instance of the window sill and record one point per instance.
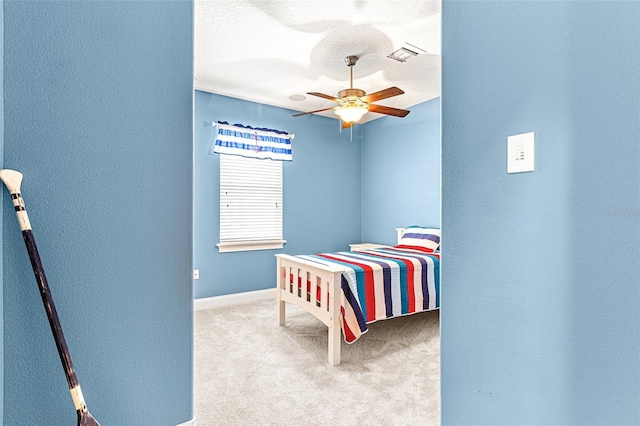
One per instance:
(229, 247)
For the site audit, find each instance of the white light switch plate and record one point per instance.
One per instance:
(520, 153)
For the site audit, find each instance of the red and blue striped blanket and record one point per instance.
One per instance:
(383, 283)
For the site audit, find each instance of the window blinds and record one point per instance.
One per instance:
(250, 199)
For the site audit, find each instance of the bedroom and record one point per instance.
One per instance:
(331, 167)
(330, 187)
(333, 187)
(337, 211)
(90, 113)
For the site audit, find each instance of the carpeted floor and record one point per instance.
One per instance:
(249, 371)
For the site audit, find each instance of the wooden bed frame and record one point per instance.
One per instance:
(328, 279)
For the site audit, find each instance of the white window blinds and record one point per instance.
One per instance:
(250, 204)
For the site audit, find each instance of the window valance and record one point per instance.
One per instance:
(247, 141)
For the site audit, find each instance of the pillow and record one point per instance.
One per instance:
(420, 238)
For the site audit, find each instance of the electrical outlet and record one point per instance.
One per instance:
(196, 274)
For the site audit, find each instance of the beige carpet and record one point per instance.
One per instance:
(249, 371)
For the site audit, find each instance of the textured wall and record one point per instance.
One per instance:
(321, 193)
(2, 201)
(401, 173)
(98, 116)
(540, 270)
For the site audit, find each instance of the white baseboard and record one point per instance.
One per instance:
(233, 299)
(191, 422)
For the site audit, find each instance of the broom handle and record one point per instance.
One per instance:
(12, 180)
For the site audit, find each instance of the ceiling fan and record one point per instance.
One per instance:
(354, 103)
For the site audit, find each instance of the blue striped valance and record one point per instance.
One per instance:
(252, 142)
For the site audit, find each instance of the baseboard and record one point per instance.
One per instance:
(191, 422)
(233, 299)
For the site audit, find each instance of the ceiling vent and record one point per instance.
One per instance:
(406, 52)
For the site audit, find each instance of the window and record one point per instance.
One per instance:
(250, 204)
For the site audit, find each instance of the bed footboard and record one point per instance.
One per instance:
(316, 288)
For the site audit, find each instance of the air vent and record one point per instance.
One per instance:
(406, 52)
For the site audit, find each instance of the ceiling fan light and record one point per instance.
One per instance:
(351, 114)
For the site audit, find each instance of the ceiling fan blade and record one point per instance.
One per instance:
(311, 112)
(383, 94)
(388, 110)
(322, 95)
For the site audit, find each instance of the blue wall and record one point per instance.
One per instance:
(540, 271)
(401, 173)
(2, 198)
(321, 193)
(98, 116)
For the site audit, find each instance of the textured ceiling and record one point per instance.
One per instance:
(265, 51)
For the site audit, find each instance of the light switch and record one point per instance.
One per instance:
(520, 153)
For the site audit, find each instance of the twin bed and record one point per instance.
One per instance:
(348, 290)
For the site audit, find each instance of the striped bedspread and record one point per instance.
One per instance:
(383, 283)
